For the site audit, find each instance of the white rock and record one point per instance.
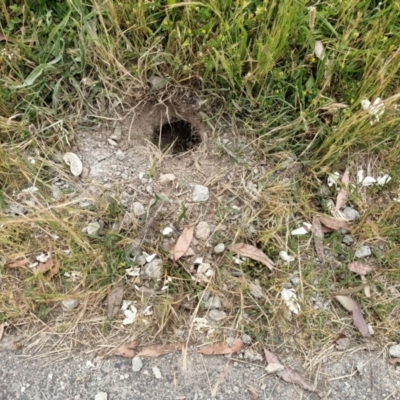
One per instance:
(368, 181)
(285, 256)
(138, 209)
(137, 364)
(153, 270)
(166, 178)
(120, 155)
(384, 179)
(93, 228)
(74, 162)
(246, 339)
(167, 231)
(112, 142)
(219, 248)
(202, 231)
(333, 179)
(157, 372)
(271, 368)
(290, 298)
(101, 396)
(252, 355)
(68, 305)
(363, 251)
(348, 239)
(394, 351)
(213, 303)
(200, 193)
(360, 175)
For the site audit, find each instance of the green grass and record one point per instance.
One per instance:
(68, 64)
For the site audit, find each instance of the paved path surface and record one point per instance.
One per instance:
(76, 379)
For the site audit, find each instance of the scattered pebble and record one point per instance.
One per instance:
(246, 339)
(219, 248)
(112, 142)
(68, 305)
(85, 172)
(295, 281)
(74, 162)
(216, 315)
(101, 396)
(394, 351)
(256, 291)
(202, 231)
(189, 253)
(342, 344)
(285, 256)
(153, 270)
(363, 251)
(93, 228)
(137, 364)
(350, 213)
(16, 209)
(200, 193)
(230, 341)
(166, 178)
(348, 239)
(252, 355)
(120, 155)
(213, 303)
(157, 372)
(167, 231)
(236, 389)
(138, 209)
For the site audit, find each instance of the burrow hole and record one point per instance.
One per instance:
(178, 135)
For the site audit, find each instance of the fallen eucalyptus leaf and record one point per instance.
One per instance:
(247, 250)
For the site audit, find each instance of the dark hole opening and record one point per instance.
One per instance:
(178, 134)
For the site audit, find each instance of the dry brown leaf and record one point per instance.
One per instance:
(1, 330)
(247, 250)
(222, 348)
(290, 375)
(183, 243)
(374, 227)
(334, 223)
(318, 238)
(360, 268)
(342, 195)
(114, 300)
(157, 350)
(345, 292)
(2, 37)
(350, 305)
(17, 264)
(394, 360)
(127, 349)
(51, 266)
(253, 392)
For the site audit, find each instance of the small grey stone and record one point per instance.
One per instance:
(348, 239)
(216, 315)
(363, 251)
(213, 303)
(16, 209)
(157, 372)
(149, 189)
(295, 281)
(200, 193)
(112, 142)
(138, 209)
(101, 396)
(137, 364)
(350, 213)
(394, 351)
(219, 248)
(230, 341)
(202, 231)
(68, 305)
(166, 178)
(236, 389)
(93, 228)
(153, 270)
(246, 339)
(120, 155)
(256, 291)
(252, 355)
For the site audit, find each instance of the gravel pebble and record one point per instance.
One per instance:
(363, 251)
(219, 248)
(394, 351)
(153, 270)
(68, 305)
(137, 364)
(348, 239)
(202, 231)
(120, 155)
(200, 193)
(157, 372)
(138, 209)
(101, 396)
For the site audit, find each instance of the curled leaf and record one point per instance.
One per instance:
(74, 162)
(183, 243)
(247, 250)
(360, 268)
(222, 348)
(17, 264)
(127, 349)
(156, 350)
(334, 223)
(350, 305)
